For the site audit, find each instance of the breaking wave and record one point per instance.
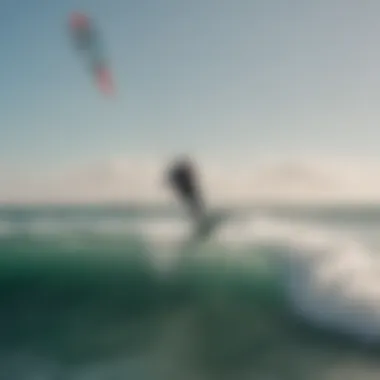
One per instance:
(257, 297)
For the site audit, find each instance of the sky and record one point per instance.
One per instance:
(224, 81)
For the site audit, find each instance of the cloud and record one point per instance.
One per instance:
(140, 179)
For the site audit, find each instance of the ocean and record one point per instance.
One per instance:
(115, 292)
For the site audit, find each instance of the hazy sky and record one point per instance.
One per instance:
(215, 76)
(211, 77)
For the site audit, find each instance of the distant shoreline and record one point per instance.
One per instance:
(169, 207)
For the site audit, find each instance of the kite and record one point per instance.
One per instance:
(86, 40)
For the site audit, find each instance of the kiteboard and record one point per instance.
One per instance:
(205, 228)
(200, 236)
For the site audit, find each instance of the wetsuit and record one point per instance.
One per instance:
(182, 179)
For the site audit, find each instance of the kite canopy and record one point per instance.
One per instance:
(105, 80)
(86, 40)
(78, 20)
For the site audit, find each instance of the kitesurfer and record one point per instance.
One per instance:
(183, 179)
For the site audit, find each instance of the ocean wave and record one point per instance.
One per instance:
(259, 285)
(329, 278)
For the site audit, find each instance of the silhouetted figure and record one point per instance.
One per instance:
(182, 178)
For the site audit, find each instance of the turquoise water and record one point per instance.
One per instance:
(110, 293)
